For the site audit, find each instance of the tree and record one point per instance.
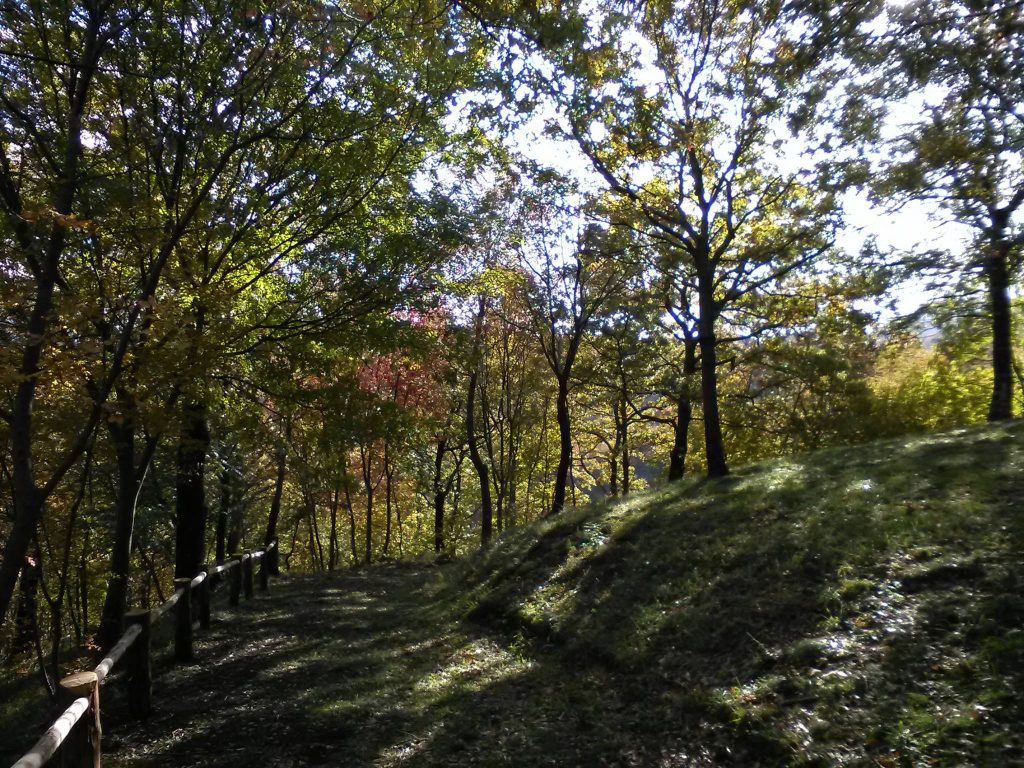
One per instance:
(569, 283)
(967, 149)
(687, 126)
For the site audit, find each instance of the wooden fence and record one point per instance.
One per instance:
(74, 737)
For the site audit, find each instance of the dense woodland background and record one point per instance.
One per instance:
(288, 271)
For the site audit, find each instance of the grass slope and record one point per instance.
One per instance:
(856, 606)
(849, 607)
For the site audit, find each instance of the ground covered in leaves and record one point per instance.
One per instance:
(846, 608)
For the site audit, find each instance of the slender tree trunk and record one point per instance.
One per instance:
(440, 493)
(388, 473)
(190, 507)
(613, 487)
(223, 514)
(511, 513)
(314, 534)
(486, 508)
(236, 521)
(351, 523)
(368, 485)
(83, 577)
(997, 273)
(332, 546)
(275, 501)
(565, 445)
(684, 415)
(625, 466)
(714, 445)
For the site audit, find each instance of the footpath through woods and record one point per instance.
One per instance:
(358, 668)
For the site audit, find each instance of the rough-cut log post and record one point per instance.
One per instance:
(204, 602)
(140, 669)
(265, 571)
(82, 747)
(247, 575)
(183, 621)
(236, 581)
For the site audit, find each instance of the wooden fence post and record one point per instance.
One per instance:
(247, 574)
(183, 621)
(82, 748)
(236, 581)
(265, 571)
(140, 670)
(204, 601)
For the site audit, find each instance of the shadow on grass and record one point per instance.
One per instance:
(852, 608)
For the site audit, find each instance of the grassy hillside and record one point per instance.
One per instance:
(856, 606)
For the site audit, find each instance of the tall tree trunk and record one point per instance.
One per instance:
(368, 485)
(332, 546)
(128, 482)
(351, 522)
(684, 415)
(190, 506)
(486, 508)
(275, 501)
(388, 474)
(565, 445)
(714, 445)
(223, 515)
(83, 577)
(997, 273)
(511, 513)
(236, 517)
(625, 465)
(440, 493)
(314, 534)
(26, 613)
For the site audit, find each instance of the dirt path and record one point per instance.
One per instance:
(366, 668)
(310, 675)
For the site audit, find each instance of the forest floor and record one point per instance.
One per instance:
(849, 607)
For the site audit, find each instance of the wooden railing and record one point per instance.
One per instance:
(74, 737)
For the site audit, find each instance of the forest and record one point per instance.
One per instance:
(381, 279)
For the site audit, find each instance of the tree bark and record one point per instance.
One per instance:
(440, 494)
(565, 444)
(332, 547)
(190, 500)
(486, 508)
(223, 514)
(684, 415)
(714, 445)
(275, 502)
(128, 482)
(998, 276)
(368, 485)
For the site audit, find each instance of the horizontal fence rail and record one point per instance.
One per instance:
(75, 735)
